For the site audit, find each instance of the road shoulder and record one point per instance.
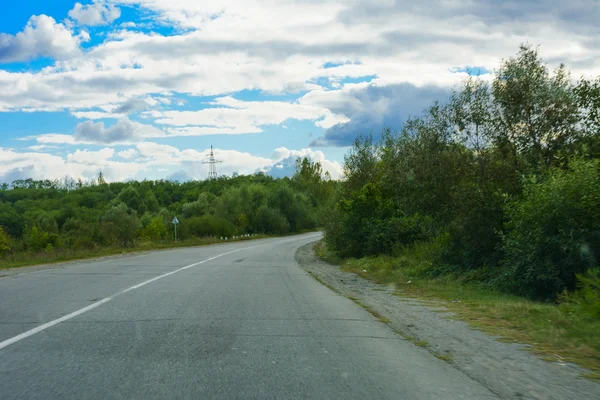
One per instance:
(505, 368)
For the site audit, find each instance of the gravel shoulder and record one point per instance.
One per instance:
(506, 369)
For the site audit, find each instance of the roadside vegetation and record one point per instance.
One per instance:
(491, 200)
(50, 221)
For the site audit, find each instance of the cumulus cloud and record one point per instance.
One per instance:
(128, 154)
(123, 131)
(23, 165)
(236, 116)
(42, 36)
(371, 108)
(260, 48)
(153, 161)
(97, 13)
(91, 157)
(284, 161)
(130, 106)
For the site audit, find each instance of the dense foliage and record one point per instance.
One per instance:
(502, 182)
(44, 216)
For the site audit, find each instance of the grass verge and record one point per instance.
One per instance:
(551, 331)
(62, 255)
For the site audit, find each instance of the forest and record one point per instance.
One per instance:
(46, 220)
(498, 185)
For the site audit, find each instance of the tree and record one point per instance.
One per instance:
(131, 198)
(5, 244)
(588, 98)
(121, 224)
(537, 113)
(101, 180)
(553, 233)
(155, 230)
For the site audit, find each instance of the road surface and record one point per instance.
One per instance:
(238, 320)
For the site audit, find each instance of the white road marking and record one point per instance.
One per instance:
(47, 325)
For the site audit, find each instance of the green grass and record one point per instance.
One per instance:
(552, 331)
(61, 255)
(443, 357)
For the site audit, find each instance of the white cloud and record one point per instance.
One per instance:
(93, 14)
(128, 154)
(91, 157)
(42, 36)
(370, 108)
(94, 115)
(22, 165)
(133, 105)
(151, 160)
(236, 116)
(282, 46)
(284, 161)
(123, 131)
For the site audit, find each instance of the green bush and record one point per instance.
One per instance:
(207, 225)
(269, 220)
(156, 229)
(473, 233)
(121, 225)
(36, 239)
(553, 231)
(4, 242)
(586, 300)
(196, 208)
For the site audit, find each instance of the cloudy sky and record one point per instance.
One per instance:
(142, 88)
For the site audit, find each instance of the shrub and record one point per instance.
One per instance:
(36, 239)
(4, 242)
(121, 224)
(196, 208)
(269, 220)
(207, 225)
(553, 231)
(586, 300)
(156, 229)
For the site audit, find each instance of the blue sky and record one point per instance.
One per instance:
(142, 88)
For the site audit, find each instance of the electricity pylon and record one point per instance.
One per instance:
(212, 165)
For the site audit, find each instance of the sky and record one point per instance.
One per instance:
(140, 89)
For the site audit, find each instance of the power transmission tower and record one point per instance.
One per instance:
(212, 165)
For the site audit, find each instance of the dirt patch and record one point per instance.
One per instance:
(505, 368)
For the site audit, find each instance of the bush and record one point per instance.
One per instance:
(156, 229)
(473, 233)
(37, 240)
(4, 242)
(586, 300)
(207, 225)
(553, 231)
(392, 234)
(269, 220)
(196, 208)
(121, 225)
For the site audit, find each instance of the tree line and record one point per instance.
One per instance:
(46, 216)
(500, 183)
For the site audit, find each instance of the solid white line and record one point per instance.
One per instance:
(47, 325)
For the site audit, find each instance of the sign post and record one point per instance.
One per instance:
(175, 222)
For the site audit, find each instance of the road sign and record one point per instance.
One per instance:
(175, 222)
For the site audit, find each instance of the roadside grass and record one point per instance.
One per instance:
(549, 330)
(25, 259)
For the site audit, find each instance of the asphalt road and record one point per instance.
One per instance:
(238, 320)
